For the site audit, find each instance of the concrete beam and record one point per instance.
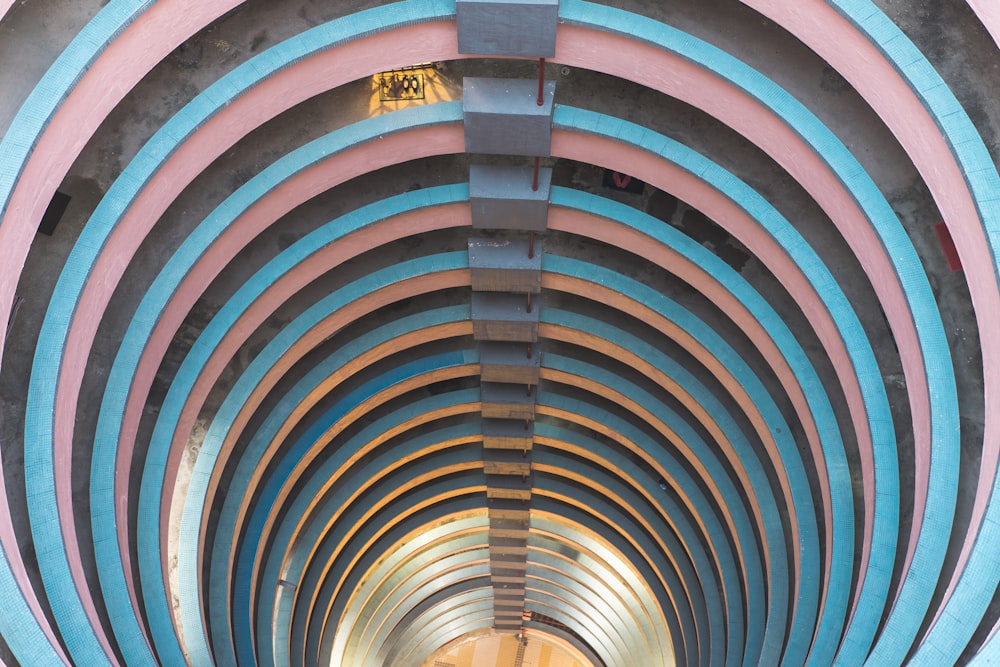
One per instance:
(507, 510)
(509, 529)
(503, 317)
(508, 486)
(507, 401)
(510, 362)
(505, 265)
(508, 434)
(506, 462)
(503, 117)
(501, 197)
(525, 28)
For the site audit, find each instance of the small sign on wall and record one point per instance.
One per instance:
(396, 86)
(616, 180)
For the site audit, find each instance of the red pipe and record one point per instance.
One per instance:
(541, 80)
(534, 178)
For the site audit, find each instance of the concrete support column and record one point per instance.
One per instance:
(508, 117)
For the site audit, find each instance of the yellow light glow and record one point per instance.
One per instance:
(412, 86)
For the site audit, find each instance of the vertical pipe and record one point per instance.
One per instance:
(531, 244)
(534, 177)
(541, 80)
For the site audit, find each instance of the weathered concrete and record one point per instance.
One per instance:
(509, 197)
(502, 116)
(31, 34)
(525, 28)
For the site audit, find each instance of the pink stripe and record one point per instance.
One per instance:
(301, 82)
(132, 54)
(227, 247)
(262, 309)
(329, 325)
(609, 155)
(568, 221)
(590, 50)
(200, 151)
(988, 13)
(276, 295)
(869, 475)
(425, 40)
(5, 6)
(860, 62)
(680, 78)
(271, 207)
(9, 536)
(392, 149)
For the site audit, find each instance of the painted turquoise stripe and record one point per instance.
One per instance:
(689, 323)
(36, 113)
(291, 562)
(834, 611)
(311, 533)
(689, 642)
(14, 150)
(840, 309)
(163, 289)
(219, 600)
(989, 654)
(936, 354)
(333, 639)
(18, 625)
(350, 355)
(303, 642)
(266, 437)
(555, 198)
(678, 534)
(308, 584)
(287, 337)
(271, 424)
(438, 487)
(175, 270)
(109, 424)
(306, 494)
(948, 637)
(275, 564)
(295, 454)
(744, 640)
(774, 537)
